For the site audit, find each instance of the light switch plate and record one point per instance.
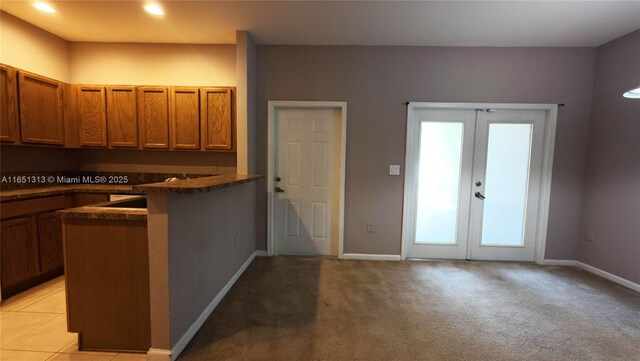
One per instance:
(394, 169)
(371, 227)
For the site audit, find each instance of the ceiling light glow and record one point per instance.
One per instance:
(154, 9)
(633, 93)
(44, 7)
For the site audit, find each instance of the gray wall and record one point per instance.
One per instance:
(612, 198)
(377, 81)
(203, 254)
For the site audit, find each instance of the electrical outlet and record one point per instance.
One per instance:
(371, 227)
(589, 236)
(394, 169)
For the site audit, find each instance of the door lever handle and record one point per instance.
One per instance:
(279, 190)
(479, 195)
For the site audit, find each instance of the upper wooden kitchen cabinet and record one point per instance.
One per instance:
(153, 117)
(184, 114)
(92, 116)
(122, 118)
(216, 118)
(41, 109)
(9, 131)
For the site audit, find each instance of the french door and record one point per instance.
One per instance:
(474, 183)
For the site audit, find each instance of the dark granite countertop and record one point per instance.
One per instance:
(197, 185)
(98, 211)
(118, 210)
(16, 186)
(36, 192)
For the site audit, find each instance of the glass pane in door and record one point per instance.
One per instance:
(438, 182)
(506, 183)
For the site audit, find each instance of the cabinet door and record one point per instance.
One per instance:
(216, 118)
(92, 114)
(19, 251)
(122, 117)
(50, 242)
(41, 109)
(153, 117)
(8, 105)
(184, 108)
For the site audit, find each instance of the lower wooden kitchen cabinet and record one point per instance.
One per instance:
(50, 242)
(19, 251)
(31, 239)
(107, 283)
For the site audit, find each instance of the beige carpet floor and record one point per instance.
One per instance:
(303, 308)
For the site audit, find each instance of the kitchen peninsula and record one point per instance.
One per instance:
(157, 111)
(165, 247)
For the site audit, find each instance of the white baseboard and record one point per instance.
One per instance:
(610, 276)
(372, 257)
(559, 262)
(159, 354)
(184, 340)
(261, 253)
(596, 271)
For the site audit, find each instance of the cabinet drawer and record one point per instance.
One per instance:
(36, 205)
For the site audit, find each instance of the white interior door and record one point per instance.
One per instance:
(306, 171)
(473, 183)
(506, 185)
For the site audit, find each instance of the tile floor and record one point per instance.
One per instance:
(33, 326)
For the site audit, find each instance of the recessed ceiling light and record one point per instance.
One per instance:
(44, 7)
(633, 93)
(154, 9)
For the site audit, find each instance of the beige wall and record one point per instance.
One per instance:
(153, 64)
(377, 81)
(28, 47)
(612, 197)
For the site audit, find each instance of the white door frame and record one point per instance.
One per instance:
(409, 204)
(273, 106)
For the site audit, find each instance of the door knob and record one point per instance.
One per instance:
(279, 190)
(479, 195)
(278, 179)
